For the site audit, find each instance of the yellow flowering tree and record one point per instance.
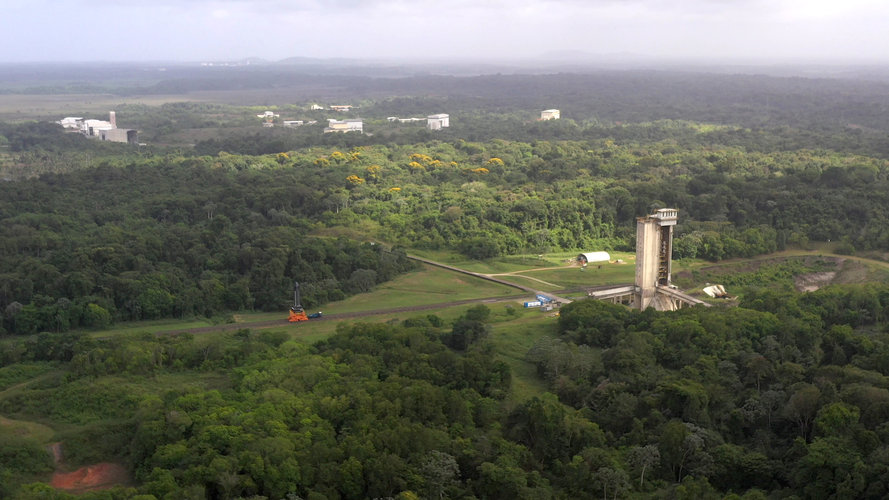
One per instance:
(373, 172)
(337, 157)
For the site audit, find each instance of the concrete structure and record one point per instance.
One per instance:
(654, 254)
(293, 123)
(268, 114)
(119, 135)
(104, 130)
(93, 128)
(341, 108)
(438, 122)
(354, 125)
(549, 114)
(315, 107)
(588, 257)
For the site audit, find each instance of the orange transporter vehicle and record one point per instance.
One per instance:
(297, 313)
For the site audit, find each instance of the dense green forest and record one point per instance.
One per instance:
(148, 236)
(785, 395)
(782, 395)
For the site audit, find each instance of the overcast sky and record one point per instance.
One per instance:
(854, 31)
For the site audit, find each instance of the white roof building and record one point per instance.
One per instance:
(70, 122)
(104, 130)
(588, 257)
(550, 114)
(92, 128)
(437, 122)
(353, 125)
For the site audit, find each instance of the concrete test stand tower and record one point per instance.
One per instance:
(654, 254)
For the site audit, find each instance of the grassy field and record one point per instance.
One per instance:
(22, 428)
(574, 277)
(514, 329)
(161, 325)
(430, 285)
(512, 339)
(15, 107)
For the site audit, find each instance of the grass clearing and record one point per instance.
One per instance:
(313, 331)
(430, 285)
(575, 277)
(26, 429)
(163, 325)
(512, 339)
(22, 372)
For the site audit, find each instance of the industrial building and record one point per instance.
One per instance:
(101, 129)
(127, 135)
(438, 122)
(353, 125)
(549, 114)
(654, 254)
(404, 120)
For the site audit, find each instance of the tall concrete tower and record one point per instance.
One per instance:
(654, 254)
(112, 118)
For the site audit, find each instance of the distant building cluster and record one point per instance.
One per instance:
(433, 122)
(101, 129)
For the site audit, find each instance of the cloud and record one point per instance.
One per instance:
(275, 29)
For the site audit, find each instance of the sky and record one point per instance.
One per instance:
(734, 31)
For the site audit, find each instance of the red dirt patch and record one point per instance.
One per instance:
(91, 478)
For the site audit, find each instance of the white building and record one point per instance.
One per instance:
(549, 114)
(293, 123)
(104, 130)
(353, 125)
(593, 257)
(268, 114)
(71, 122)
(93, 128)
(437, 122)
(119, 135)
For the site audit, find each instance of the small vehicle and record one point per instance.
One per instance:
(315, 315)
